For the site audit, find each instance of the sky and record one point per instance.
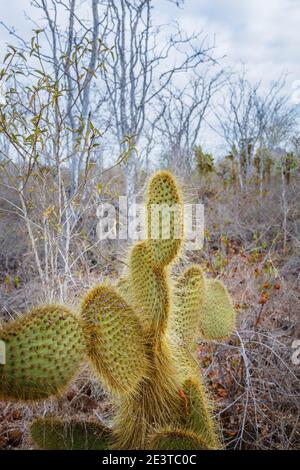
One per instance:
(262, 34)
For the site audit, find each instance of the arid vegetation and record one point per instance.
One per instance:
(88, 110)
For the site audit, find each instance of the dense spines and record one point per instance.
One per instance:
(189, 295)
(156, 403)
(196, 412)
(114, 340)
(55, 434)
(150, 290)
(124, 288)
(164, 204)
(176, 439)
(44, 349)
(217, 319)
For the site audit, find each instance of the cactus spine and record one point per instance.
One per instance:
(140, 337)
(54, 434)
(44, 350)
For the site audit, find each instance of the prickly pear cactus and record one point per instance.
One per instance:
(43, 350)
(140, 337)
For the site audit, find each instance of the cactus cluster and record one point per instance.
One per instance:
(140, 337)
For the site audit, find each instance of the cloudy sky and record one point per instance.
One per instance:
(264, 35)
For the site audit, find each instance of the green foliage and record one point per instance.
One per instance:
(263, 157)
(290, 163)
(140, 336)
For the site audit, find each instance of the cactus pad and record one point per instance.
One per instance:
(189, 294)
(164, 238)
(114, 339)
(217, 320)
(176, 439)
(55, 434)
(43, 352)
(197, 412)
(150, 289)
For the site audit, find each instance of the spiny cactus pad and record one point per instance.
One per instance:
(114, 339)
(197, 412)
(124, 288)
(176, 439)
(164, 238)
(55, 434)
(189, 294)
(217, 319)
(150, 289)
(43, 352)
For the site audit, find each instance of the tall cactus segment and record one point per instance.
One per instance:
(140, 336)
(197, 412)
(155, 403)
(189, 295)
(164, 218)
(189, 300)
(150, 289)
(43, 352)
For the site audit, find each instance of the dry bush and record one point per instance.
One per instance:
(255, 383)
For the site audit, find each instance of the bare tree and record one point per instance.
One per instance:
(275, 122)
(181, 113)
(237, 120)
(49, 137)
(251, 120)
(142, 69)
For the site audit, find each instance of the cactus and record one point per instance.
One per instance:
(176, 439)
(164, 240)
(114, 344)
(140, 336)
(44, 350)
(55, 434)
(217, 320)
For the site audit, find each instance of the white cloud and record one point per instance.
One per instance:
(262, 34)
